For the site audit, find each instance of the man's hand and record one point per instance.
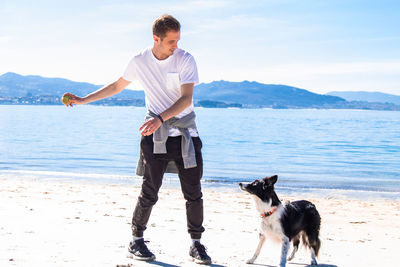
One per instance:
(150, 126)
(72, 100)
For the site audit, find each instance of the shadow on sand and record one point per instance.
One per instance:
(159, 263)
(163, 264)
(307, 265)
(299, 264)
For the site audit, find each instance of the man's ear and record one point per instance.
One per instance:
(156, 38)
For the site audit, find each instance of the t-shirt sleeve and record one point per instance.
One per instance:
(130, 71)
(188, 73)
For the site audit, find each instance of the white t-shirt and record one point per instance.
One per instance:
(162, 80)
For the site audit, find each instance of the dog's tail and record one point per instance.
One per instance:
(312, 241)
(316, 244)
(312, 232)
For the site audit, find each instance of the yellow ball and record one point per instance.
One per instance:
(65, 99)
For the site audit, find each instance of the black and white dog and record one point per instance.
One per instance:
(285, 222)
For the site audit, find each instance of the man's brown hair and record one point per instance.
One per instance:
(164, 24)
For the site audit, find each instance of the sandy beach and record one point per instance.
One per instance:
(59, 223)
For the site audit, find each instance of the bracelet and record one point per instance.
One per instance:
(160, 118)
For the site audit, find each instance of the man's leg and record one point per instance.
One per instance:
(152, 180)
(191, 188)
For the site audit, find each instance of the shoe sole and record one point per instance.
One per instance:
(132, 256)
(200, 261)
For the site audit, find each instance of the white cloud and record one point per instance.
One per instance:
(386, 67)
(196, 6)
(236, 22)
(122, 27)
(4, 38)
(142, 7)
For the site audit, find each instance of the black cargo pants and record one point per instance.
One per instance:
(155, 166)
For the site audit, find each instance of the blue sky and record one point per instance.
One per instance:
(320, 45)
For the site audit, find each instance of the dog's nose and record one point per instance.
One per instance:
(240, 184)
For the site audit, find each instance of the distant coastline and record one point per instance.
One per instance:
(16, 89)
(135, 102)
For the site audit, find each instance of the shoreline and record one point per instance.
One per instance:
(172, 182)
(364, 106)
(63, 223)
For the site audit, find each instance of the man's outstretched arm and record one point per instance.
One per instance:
(104, 92)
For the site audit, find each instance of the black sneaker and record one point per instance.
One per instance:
(199, 254)
(139, 251)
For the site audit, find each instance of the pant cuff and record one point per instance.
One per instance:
(195, 236)
(137, 234)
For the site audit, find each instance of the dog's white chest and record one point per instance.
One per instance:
(272, 228)
(270, 225)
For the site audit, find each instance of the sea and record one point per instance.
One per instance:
(333, 153)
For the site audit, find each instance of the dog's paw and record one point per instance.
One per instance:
(251, 261)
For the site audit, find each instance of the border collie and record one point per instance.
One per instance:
(284, 222)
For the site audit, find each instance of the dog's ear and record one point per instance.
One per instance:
(273, 179)
(269, 181)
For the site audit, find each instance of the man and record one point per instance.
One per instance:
(170, 140)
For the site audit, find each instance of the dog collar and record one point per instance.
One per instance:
(268, 213)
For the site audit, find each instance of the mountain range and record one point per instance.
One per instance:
(215, 94)
(258, 94)
(16, 85)
(367, 96)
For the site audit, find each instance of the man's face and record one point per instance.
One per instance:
(168, 44)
